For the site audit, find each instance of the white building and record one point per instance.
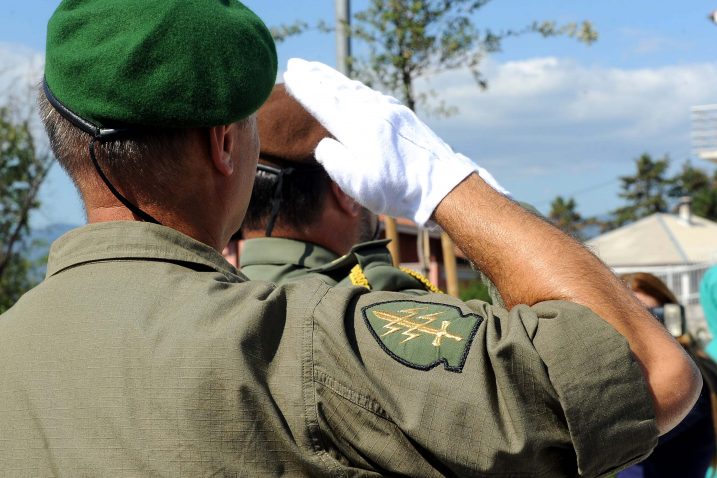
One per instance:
(704, 132)
(678, 248)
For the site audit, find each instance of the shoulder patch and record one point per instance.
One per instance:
(422, 335)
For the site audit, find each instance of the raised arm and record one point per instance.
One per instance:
(531, 261)
(392, 163)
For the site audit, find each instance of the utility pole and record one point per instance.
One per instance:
(449, 265)
(343, 36)
(343, 54)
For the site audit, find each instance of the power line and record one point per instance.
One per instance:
(580, 191)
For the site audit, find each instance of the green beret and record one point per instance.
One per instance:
(287, 132)
(159, 63)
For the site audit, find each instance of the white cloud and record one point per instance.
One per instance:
(564, 90)
(20, 71)
(573, 125)
(551, 100)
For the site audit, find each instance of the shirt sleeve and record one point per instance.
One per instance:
(432, 386)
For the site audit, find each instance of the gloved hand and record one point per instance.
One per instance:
(383, 155)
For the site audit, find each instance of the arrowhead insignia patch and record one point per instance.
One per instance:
(422, 335)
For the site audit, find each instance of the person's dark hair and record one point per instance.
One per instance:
(303, 195)
(147, 158)
(650, 285)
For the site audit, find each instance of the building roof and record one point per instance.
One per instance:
(659, 239)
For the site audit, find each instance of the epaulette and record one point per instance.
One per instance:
(369, 265)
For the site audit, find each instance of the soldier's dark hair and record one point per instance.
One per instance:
(146, 157)
(303, 196)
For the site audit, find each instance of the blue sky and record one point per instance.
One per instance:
(557, 118)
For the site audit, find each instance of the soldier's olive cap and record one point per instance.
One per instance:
(288, 133)
(159, 63)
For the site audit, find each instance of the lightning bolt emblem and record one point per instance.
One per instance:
(413, 324)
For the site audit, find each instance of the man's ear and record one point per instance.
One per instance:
(345, 202)
(222, 141)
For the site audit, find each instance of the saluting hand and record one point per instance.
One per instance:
(383, 155)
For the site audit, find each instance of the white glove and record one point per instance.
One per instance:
(383, 155)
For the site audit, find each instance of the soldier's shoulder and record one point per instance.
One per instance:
(370, 265)
(418, 331)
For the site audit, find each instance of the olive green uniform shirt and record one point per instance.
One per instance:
(144, 353)
(280, 260)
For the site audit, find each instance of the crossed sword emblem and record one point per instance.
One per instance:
(413, 328)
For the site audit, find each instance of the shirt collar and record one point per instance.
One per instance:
(132, 240)
(280, 251)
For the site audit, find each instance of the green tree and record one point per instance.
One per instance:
(704, 202)
(689, 181)
(645, 192)
(697, 184)
(411, 39)
(564, 215)
(23, 168)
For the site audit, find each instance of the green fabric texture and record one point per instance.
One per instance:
(281, 260)
(170, 63)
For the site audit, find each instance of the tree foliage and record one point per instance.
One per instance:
(410, 39)
(700, 186)
(23, 168)
(645, 192)
(564, 215)
(649, 190)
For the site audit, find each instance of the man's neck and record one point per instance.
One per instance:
(212, 236)
(332, 242)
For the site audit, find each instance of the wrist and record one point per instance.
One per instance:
(442, 180)
(462, 194)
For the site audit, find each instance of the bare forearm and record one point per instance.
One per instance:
(527, 259)
(531, 261)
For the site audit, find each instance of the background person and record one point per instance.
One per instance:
(689, 449)
(708, 300)
(300, 223)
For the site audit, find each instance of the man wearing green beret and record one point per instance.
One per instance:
(144, 353)
(300, 223)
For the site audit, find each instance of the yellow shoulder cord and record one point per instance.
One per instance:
(422, 279)
(357, 277)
